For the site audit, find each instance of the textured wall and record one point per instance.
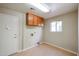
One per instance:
(68, 38)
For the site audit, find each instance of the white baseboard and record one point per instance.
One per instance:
(59, 47)
(48, 44)
(26, 49)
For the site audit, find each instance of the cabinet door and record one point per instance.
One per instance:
(30, 19)
(39, 21)
(35, 20)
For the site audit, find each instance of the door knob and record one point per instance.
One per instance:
(14, 37)
(14, 34)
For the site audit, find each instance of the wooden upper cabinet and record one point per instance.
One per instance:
(34, 20)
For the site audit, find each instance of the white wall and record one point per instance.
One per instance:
(68, 38)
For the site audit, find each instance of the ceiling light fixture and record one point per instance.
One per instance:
(40, 6)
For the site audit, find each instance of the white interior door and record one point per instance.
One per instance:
(9, 34)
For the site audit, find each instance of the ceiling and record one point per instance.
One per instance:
(55, 8)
